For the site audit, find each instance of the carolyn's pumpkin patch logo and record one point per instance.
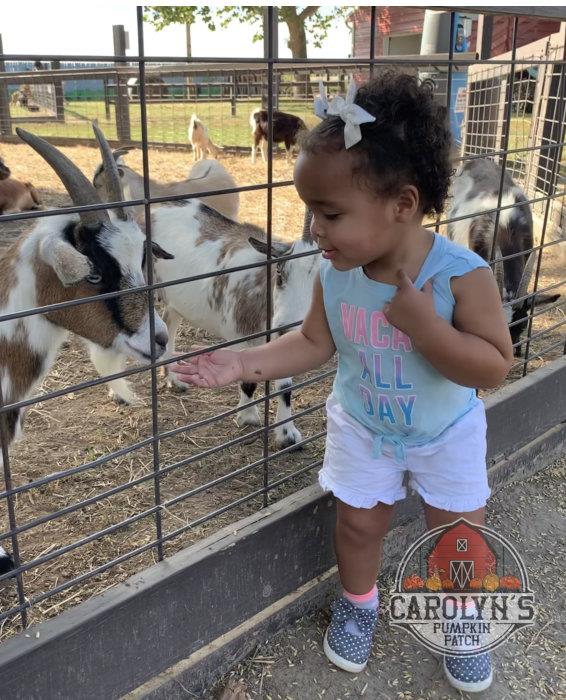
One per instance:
(461, 588)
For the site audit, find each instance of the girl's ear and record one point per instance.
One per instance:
(407, 204)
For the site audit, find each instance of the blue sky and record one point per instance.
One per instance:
(74, 29)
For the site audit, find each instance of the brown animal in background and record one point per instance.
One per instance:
(286, 129)
(16, 196)
(200, 141)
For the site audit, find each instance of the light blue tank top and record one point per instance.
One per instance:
(382, 381)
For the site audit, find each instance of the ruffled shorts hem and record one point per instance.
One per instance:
(353, 499)
(463, 505)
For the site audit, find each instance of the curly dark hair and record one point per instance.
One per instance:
(408, 143)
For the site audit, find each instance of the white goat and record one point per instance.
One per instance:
(64, 258)
(200, 140)
(205, 176)
(233, 304)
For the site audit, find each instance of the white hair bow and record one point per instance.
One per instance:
(351, 114)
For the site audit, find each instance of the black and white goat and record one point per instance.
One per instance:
(229, 305)
(204, 176)
(70, 257)
(287, 129)
(475, 190)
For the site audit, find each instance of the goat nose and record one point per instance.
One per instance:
(161, 340)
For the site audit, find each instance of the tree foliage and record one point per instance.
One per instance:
(311, 19)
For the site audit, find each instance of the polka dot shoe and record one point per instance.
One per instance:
(348, 651)
(471, 674)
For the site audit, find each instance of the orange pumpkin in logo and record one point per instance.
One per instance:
(509, 583)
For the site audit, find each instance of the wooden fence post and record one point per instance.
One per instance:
(121, 101)
(59, 93)
(5, 117)
(233, 94)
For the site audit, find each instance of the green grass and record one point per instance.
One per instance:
(167, 122)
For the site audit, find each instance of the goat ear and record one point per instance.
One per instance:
(277, 248)
(543, 298)
(69, 265)
(158, 252)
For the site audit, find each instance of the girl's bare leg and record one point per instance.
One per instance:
(358, 542)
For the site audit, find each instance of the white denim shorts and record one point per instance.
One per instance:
(450, 472)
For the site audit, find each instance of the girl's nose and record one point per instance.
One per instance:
(314, 229)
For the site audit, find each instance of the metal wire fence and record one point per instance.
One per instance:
(86, 507)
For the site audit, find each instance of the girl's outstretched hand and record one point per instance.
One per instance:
(210, 369)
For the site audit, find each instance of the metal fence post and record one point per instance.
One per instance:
(121, 101)
(5, 118)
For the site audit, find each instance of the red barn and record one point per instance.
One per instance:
(462, 553)
(399, 31)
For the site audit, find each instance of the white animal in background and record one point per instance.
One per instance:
(64, 258)
(204, 176)
(200, 141)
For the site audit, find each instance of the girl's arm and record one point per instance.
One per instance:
(292, 353)
(476, 351)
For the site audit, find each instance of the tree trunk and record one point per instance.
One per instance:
(189, 54)
(298, 46)
(188, 31)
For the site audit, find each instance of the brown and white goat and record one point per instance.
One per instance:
(474, 190)
(200, 140)
(204, 176)
(233, 304)
(286, 129)
(64, 258)
(16, 196)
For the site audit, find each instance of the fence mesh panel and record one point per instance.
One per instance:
(95, 491)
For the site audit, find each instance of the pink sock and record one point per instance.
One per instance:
(368, 601)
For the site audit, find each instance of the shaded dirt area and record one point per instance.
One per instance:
(66, 432)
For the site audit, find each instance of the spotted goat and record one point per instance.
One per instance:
(475, 191)
(229, 305)
(65, 258)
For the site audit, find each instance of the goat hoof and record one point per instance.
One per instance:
(176, 386)
(132, 400)
(287, 437)
(248, 417)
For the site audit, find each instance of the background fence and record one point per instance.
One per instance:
(78, 517)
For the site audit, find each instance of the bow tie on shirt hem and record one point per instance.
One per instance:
(395, 441)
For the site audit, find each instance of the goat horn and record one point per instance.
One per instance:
(80, 189)
(523, 287)
(113, 184)
(122, 151)
(307, 235)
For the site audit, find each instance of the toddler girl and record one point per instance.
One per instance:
(417, 323)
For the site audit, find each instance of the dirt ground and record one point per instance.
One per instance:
(530, 665)
(66, 432)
